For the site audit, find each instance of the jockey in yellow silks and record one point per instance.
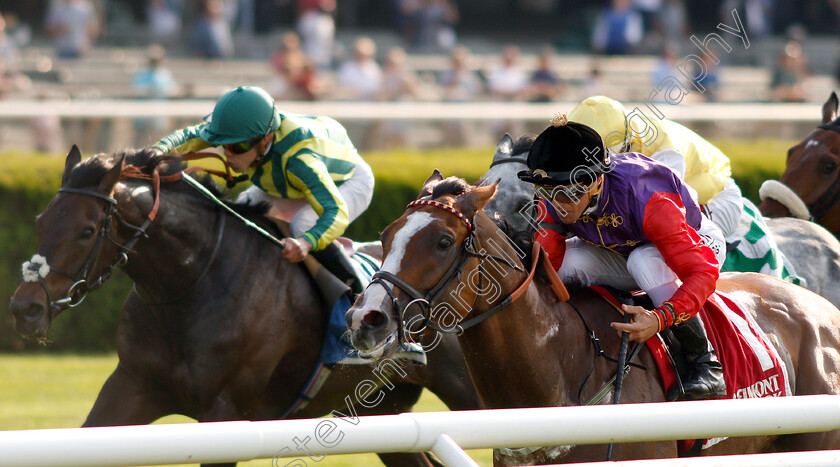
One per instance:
(704, 168)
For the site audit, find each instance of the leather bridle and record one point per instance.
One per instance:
(509, 160)
(426, 300)
(82, 283)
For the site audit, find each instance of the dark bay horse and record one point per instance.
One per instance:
(809, 188)
(448, 262)
(218, 325)
(811, 249)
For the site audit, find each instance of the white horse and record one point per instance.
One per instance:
(812, 250)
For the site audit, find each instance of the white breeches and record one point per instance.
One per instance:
(645, 268)
(357, 192)
(726, 207)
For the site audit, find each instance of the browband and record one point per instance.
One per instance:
(445, 207)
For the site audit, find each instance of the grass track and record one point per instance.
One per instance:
(57, 391)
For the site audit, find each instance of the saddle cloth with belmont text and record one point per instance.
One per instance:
(752, 367)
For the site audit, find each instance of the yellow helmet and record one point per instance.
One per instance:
(607, 117)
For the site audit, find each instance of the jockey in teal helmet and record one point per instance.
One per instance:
(305, 167)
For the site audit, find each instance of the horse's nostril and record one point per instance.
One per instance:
(26, 309)
(374, 318)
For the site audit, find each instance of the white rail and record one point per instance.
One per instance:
(365, 111)
(440, 432)
(786, 459)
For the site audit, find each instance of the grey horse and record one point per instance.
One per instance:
(812, 250)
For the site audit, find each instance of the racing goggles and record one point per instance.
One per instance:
(564, 193)
(243, 147)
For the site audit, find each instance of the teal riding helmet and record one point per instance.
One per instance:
(242, 114)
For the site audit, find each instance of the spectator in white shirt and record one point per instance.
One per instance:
(317, 33)
(508, 82)
(360, 77)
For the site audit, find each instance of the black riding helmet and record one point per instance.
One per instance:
(566, 153)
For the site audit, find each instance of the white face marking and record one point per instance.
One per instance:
(415, 222)
(375, 296)
(811, 142)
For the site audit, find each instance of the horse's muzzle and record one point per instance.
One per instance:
(31, 319)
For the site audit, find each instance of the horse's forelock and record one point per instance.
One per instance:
(449, 186)
(91, 170)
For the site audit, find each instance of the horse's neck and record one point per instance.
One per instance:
(180, 247)
(526, 343)
(522, 357)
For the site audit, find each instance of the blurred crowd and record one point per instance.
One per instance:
(309, 63)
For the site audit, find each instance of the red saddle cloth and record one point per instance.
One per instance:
(751, 365)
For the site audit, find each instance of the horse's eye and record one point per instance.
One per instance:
(444, 243)
(829, 167)
(87, 233)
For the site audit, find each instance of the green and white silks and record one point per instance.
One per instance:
(751, 248)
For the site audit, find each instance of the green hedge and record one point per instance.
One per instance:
(29, 181)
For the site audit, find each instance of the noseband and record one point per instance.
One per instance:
(424, 301)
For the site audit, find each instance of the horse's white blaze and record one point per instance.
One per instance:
(375, 297)
(812, 142)
(414, 223)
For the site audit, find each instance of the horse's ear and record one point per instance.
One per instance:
(474, 200)
(829, 110)
(436, 176)
(73, 158)
(112, 176)
(504, 147)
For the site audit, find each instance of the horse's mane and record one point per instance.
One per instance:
(90, 171)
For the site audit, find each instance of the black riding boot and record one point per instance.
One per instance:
(333, 258)
(707, 372)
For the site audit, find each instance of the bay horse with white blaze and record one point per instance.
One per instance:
(447, 262)
(218, 326)
(809, 188)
